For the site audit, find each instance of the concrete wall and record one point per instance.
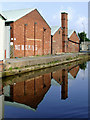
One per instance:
(31, 35)
(85, 46)
(57, 42)
(2, 38)
(1, 107)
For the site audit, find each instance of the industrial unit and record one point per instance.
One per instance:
(28, 34)
(62, 39)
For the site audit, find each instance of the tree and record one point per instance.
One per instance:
(83, 66)
(83, 37)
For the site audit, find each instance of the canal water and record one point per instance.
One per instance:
(57, 92)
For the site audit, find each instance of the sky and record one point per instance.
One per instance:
(51, 11)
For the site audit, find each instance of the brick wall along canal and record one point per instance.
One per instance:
(57, 92)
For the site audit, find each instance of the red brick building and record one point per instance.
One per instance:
(30, 92)
(73, 41)
(56, 39)
(30, 33)
(62, 39)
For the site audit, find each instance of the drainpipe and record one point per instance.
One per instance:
(25, 39)
(34, 37)
(51, 44)
(44, 29)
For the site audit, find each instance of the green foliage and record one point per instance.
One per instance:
(10, 68)
(83, 36)
(83, 66)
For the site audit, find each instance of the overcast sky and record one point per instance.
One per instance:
(51, 11)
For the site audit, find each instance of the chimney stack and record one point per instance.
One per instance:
(64, 25)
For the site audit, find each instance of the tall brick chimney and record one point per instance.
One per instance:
(64, 25)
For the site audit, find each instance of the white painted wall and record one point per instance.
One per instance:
(7, 41)
(2, 38)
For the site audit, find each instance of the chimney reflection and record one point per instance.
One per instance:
(32, 90)
(61, 77)
(64, 86)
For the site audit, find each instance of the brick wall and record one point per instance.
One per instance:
(73, 47)
(64, 25)
(57, 75)
(57, 42)
(32, 35)
(31, 91)
(74, 71)
(61, 76)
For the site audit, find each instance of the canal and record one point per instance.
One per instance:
(57, 92)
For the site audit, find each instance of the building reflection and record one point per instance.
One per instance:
(29, 92)
(62, 76)
(1, 101)
(32, 91)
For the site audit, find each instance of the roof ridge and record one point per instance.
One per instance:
(18, 9)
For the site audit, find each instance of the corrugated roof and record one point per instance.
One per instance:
(13, 15)
(1, 14)
(54, 29)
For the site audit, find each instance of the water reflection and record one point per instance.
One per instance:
(30, 91)
(1, 101)
(83, 65)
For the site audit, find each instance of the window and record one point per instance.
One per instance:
(59, 32)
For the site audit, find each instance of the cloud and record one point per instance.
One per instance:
(0, 7)
(82, 23)
(69, 10)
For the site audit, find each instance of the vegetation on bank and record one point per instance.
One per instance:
(83, 37)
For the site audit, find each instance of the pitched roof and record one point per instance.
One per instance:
(13, 15)
(70, 76)
(54, 29)
(54, 82)
(70, 32)
(2, 15)
(15, 104)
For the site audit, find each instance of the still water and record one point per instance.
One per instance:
(57, 92)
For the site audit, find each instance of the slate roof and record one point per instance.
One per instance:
(14, 15)
(54, 82)
(70, 76)
(54, 29)
(15, 104)
(2, 15)
(70, 32)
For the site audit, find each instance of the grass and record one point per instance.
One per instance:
(10, 68)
